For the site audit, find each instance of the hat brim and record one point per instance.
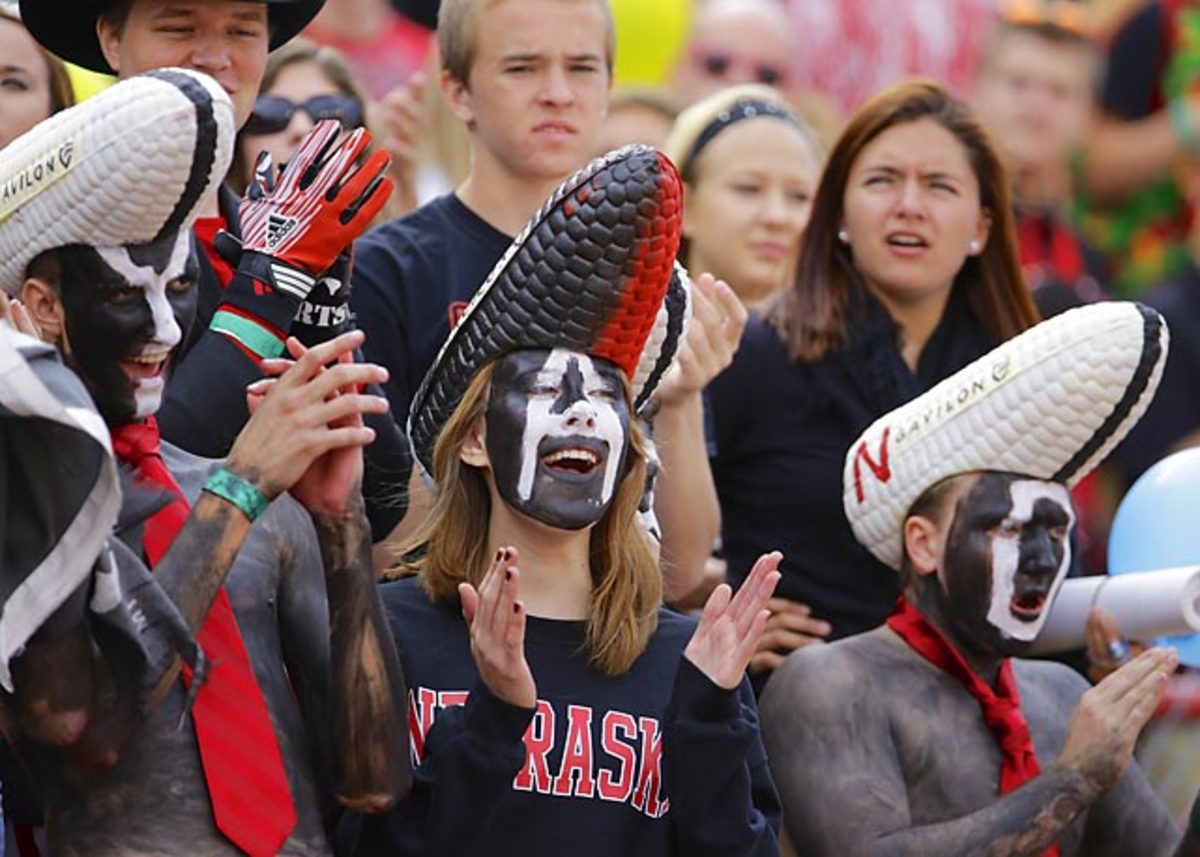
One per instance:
(68, 29)
(1049, 404)
(130, 165)
(589, 273)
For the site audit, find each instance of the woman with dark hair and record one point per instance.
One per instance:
(33, 84)
(908, 271)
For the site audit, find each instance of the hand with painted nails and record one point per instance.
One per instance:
(713, 336)
(304, 412)
(1109, 717)
(497, 623)
(731, 625)
(791, 626)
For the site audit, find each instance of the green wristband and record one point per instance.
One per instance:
(229, 486)
(1183, 123)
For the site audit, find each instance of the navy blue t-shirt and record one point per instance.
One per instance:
(781, 431)
(657, 761)
(412, 279)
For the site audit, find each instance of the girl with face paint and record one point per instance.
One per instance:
(569, 706)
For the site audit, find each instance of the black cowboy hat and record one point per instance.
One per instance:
(594, 271)
(67, 28)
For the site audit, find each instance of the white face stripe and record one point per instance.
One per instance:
(166, 330)
(1006, 556)
(540, 423)
(147, 393)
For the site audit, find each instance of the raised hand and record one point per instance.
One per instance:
(1107, 647)
(322, 201)
(1108, 718)
(713, 335)
(497, 622)
(731, 625)
(400, 118)
(308, 410)
(14, 314)
(791, 626)
(292, 234)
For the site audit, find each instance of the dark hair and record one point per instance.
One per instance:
(932, 505)
(299, 50)
(812, 317)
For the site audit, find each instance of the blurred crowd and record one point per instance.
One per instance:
(1077, 124)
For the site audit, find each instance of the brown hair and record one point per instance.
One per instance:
(451, 545)
(457, 37)
(812, 317)
(62, 94)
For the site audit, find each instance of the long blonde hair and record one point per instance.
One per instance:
(451, 547)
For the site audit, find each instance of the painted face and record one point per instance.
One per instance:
(126, 309)
(1007, 551)
(556, 434)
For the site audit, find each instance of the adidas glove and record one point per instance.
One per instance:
(293, 231)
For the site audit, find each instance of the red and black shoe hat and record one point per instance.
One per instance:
(594, 271)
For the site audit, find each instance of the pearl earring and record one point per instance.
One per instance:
(974, 245)
(843, 236)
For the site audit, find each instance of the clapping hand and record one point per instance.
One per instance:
(497, 622)
(731, 625)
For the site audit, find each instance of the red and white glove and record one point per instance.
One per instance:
(294, 230)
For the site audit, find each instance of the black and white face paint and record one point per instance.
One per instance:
(556, 435)
(1007, 552)
(1031, 553)
(126, 310)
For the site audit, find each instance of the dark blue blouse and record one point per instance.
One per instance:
(779, 434)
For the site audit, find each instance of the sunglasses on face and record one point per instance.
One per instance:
(273, 113)
(739, 68)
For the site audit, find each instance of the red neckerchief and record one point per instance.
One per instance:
(206, 229)
(243, 766)
(1001, 707)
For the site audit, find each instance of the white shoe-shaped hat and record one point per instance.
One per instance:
(1050, 404)
(127, 166)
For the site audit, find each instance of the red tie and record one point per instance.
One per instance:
(1001, 707)
(243, 766)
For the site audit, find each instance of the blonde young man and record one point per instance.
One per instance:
(530, 79)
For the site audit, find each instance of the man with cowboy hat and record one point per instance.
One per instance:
(926, 735)
(229, 40)
(282, 707)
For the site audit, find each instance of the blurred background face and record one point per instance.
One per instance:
(736, 41)
(748, 203)
(910, 209)
(302, 89)
(1035, 97)
(632, 122)
(24, 82)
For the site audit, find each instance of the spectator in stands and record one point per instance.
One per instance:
(637, 114)
(750, 169)
(33, 83)
(908, 271)
(1034, 94)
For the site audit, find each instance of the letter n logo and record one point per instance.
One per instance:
(881, 468)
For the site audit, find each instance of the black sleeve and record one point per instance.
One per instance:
(1135, 64)
(723, 800)
(376, 301)
(472, 753)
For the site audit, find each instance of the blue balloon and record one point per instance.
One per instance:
(1157, 526)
